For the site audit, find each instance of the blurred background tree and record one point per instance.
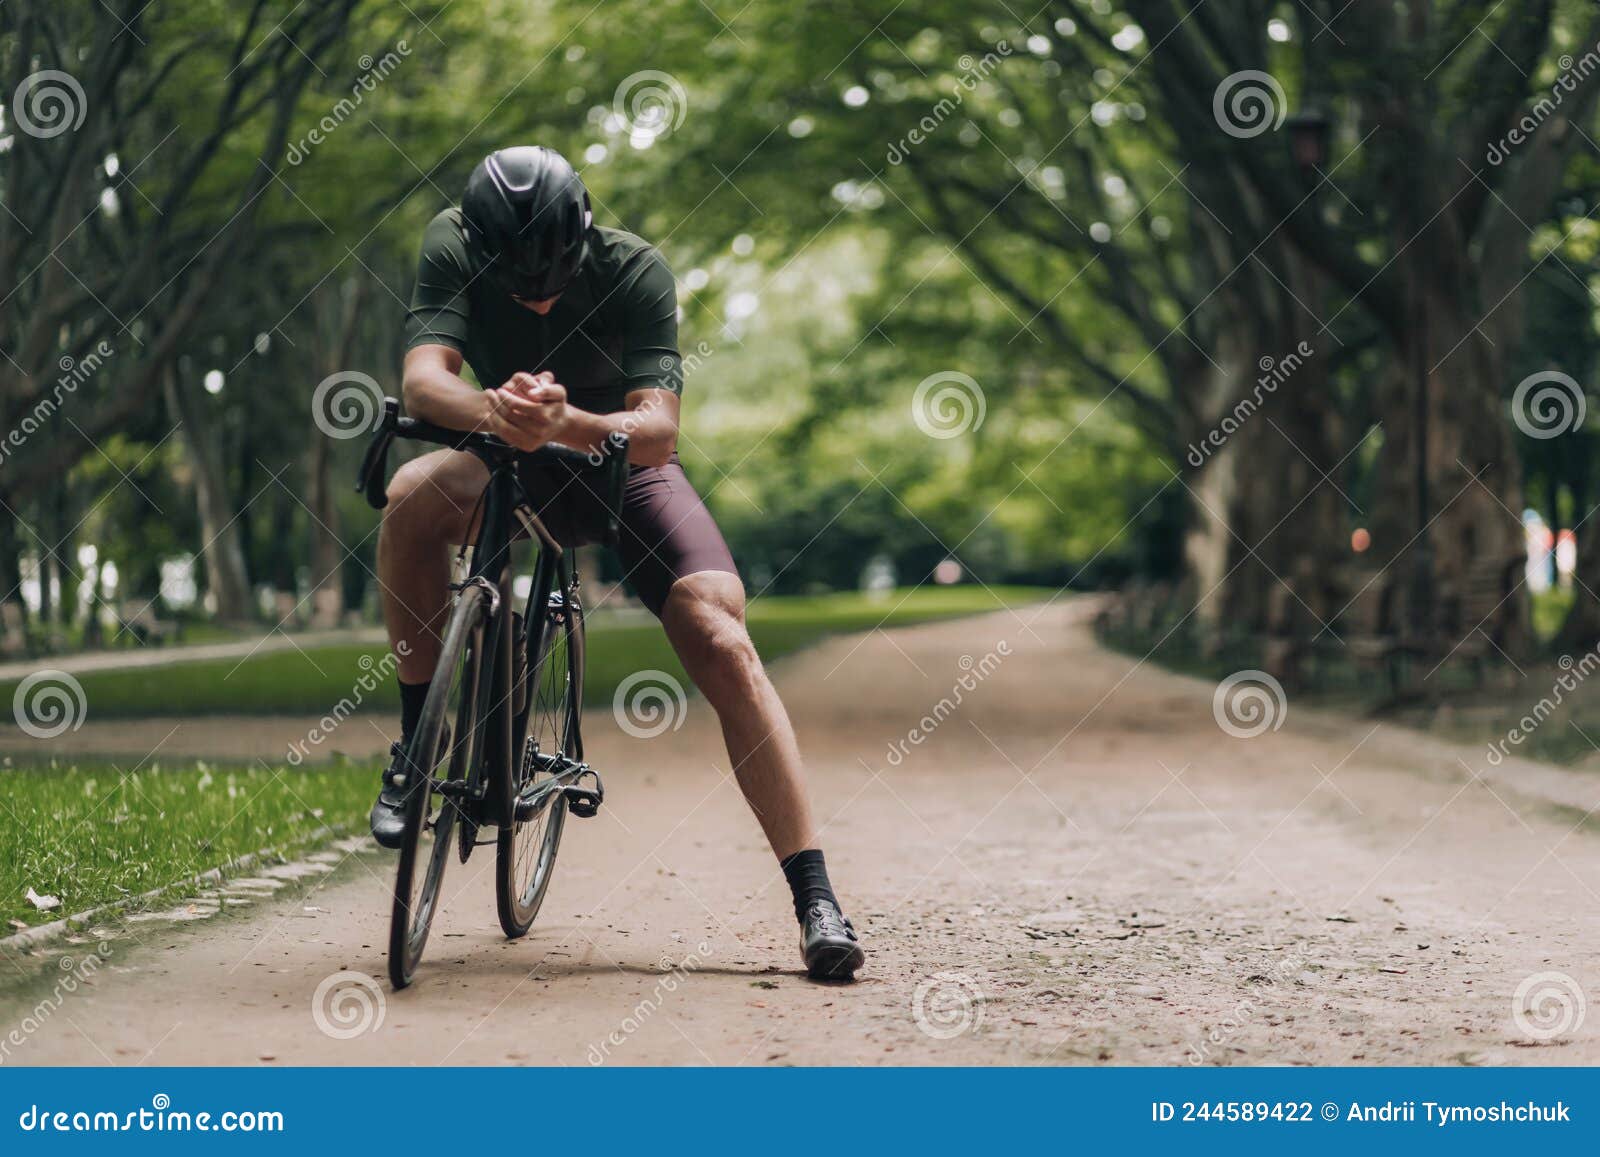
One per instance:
(955, 285)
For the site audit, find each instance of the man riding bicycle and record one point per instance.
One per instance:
(578, 324)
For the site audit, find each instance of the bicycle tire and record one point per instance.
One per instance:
(430, 815)
(526, 851)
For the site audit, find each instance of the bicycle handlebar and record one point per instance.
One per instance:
(373, 479)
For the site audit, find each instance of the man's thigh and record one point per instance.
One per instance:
(667, 534)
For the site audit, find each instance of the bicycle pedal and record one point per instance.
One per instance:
(585, 802)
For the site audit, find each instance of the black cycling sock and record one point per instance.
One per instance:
(412, 697)
(808, 880)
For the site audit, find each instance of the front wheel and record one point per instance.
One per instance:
(527, 849)
(436, 754)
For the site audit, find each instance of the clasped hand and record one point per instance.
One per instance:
(528, 411)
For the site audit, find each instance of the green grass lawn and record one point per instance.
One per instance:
(291, 682)
(92, 834)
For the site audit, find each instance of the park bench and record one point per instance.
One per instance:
(1284, 641)
(148, 630)
(1370, 632)
(1478, 610)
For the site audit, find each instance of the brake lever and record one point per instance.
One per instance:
(373, 480)
(616, 487)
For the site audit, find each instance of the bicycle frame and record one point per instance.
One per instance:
(503, 732)
(503, 505)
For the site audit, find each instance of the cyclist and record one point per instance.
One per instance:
(572, 329)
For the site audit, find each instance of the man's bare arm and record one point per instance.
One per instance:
(434, 391)
(650, 422)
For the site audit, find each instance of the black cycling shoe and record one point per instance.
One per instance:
(388, 815)
(829, 943)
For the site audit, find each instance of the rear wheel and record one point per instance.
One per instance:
(444, 747)
(527, 849)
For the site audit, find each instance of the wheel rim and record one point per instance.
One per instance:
(439, 813)
(550, 726)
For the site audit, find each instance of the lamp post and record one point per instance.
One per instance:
(1309, 131)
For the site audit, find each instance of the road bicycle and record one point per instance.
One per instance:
(499, 742)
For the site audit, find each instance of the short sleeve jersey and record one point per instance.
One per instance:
(613, 330)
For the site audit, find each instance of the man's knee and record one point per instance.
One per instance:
(708, 628)
(408, 482)
(429, 496)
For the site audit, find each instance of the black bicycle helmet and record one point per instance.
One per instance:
(526, 217)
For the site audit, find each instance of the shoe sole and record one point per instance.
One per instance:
(835, 961)
(392, 844)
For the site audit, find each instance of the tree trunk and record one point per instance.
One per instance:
(13, 609)
(226, 580)
(337, 315)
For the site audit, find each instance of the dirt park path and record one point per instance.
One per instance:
(1077, 866)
